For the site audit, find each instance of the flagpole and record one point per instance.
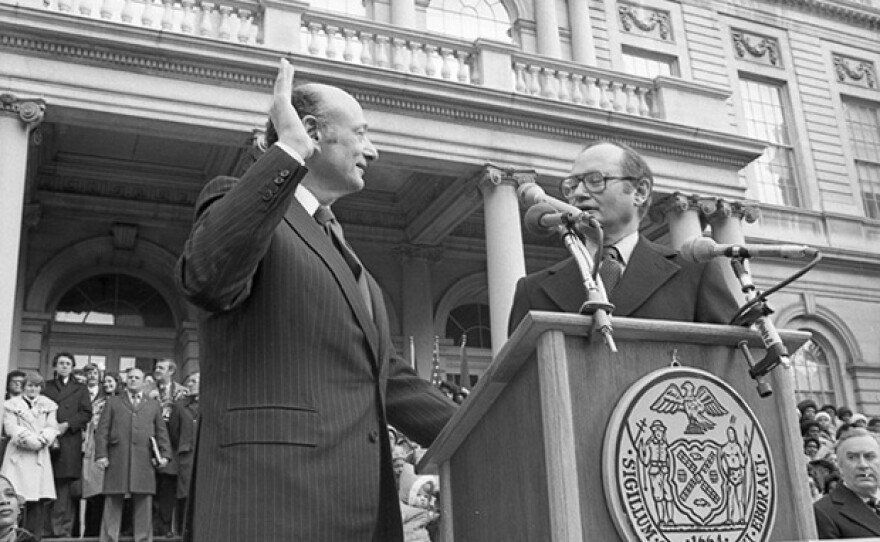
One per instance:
(412, 352)
(464, 369)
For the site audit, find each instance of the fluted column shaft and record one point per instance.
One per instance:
(547, 29)
(417, 314)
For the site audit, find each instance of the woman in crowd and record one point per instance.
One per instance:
(10, 510)
(30, 422)
(111, 383)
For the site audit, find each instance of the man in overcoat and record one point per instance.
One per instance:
(74, 413)
(124, 449)
(301, 377)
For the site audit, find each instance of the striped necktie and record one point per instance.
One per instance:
(325, 218)
(611, 269)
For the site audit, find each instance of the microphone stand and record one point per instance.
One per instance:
(757, 315)
(597, 303)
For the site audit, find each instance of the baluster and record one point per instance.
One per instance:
(519, 77)
(415, 55)
(205, 26)
(314, 38)
(534, 80)
(463, 65)
(167, 21)
(348, 51)
(244, 29)
(148, 15)
(547, 88)
(65, 6)
(446, 70)
(591, 97)
(619, 96)
(382, 51)
(430, 60)
(366, 49)
(604, 103)
(188, 23)
(85, 8)
(644, 109)
(632, 103)
(127, 11)
(397, 53)
(577, 82)
(224, 31)
(331, 50)
(564, 93)
(107, 9)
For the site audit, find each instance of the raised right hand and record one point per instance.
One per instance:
(284, 117)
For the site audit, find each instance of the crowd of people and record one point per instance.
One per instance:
(821, 428)
(75, 446)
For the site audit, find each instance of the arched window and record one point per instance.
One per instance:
(471, 320)
(355, 8)
(114, 300)
(469, 19)
(811, 370)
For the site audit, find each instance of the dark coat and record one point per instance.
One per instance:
(75, 409)
(123, 437)
(843, 514)
(656, 284)
(299, 382)
(183, 427)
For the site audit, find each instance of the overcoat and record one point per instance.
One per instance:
(27, 464)
(656, 284)
(299, 381)
(123, 437)
(74, 408)
(843, 514)
(183, 427)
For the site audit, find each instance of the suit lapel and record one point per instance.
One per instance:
(853, 508)
(308, 230)
(648, 269)
(564, 286)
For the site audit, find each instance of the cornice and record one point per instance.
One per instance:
(843, 10)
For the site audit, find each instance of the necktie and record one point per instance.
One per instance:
(324, 216)
(611, 269)
(874, 504)
(136, 399)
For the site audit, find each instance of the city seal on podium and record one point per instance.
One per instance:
(685, 460)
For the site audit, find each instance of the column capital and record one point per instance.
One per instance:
(673, 203)
(429, 253)
(711, 208)
(29, 110)
(491, 176)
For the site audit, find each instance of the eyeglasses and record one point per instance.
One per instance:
(595, 182)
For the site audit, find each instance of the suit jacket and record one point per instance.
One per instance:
(123, 437)
(657, 284)
(183, 427)
(74, 408)
(299, 382)
(843, 514)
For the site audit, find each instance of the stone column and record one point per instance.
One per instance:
(682, 214)
(17, 118)
(403, 13)
(187, 352)
(582, 49)
(417, 316)
(725, 218)
(505, 257)
(547, 29)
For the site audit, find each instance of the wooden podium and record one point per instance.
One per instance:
(522, 459)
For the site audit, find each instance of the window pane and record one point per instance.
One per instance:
(470, 19)
(812, 374)
(863, 124)
(771, 177)
(114, 299)
(471, 320)
(349, 7)
(644, 64)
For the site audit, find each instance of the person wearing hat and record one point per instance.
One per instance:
(654, 455)
(844, 415)
(808, 409)
(859, 420)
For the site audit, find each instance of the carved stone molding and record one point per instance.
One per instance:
(406, 251)
(108, 189)
(652, 23)
(855, 71)
(29, 110)
(491, 176)
(756, 48)
(711, 208)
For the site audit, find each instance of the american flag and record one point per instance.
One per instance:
(436, 374)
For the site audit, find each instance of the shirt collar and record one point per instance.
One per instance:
(305, 198)
(626, 246)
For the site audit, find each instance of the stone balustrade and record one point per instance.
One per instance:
(227, 21)
(385, 46)
(590, 87)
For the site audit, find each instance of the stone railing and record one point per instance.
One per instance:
(590, 87)
(384, 46)
(228, 21)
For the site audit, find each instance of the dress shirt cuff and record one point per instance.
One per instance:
(293, 154)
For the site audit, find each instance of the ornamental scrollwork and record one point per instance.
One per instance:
(29, 110)
(863, 70)
(763, 46)
(658, 20)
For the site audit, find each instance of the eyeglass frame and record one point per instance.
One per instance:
(582, 181)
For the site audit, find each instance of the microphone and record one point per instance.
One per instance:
(703, 249)
(531, 194)
(543, 216)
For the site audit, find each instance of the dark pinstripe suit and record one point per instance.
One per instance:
(298, 379)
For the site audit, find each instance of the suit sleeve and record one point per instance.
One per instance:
(415, 406)
(233, 227)
(520, 306)
(825, 525)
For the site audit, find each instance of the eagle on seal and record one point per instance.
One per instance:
(694, 404)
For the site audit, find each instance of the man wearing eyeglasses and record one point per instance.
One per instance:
(643, 279)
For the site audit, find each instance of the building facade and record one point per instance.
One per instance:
(761, 118)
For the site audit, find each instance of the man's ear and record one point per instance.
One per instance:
(642, 191)
(311, 125)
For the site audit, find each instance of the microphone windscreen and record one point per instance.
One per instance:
(530, 194)
(534, 215)
(698, 249)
